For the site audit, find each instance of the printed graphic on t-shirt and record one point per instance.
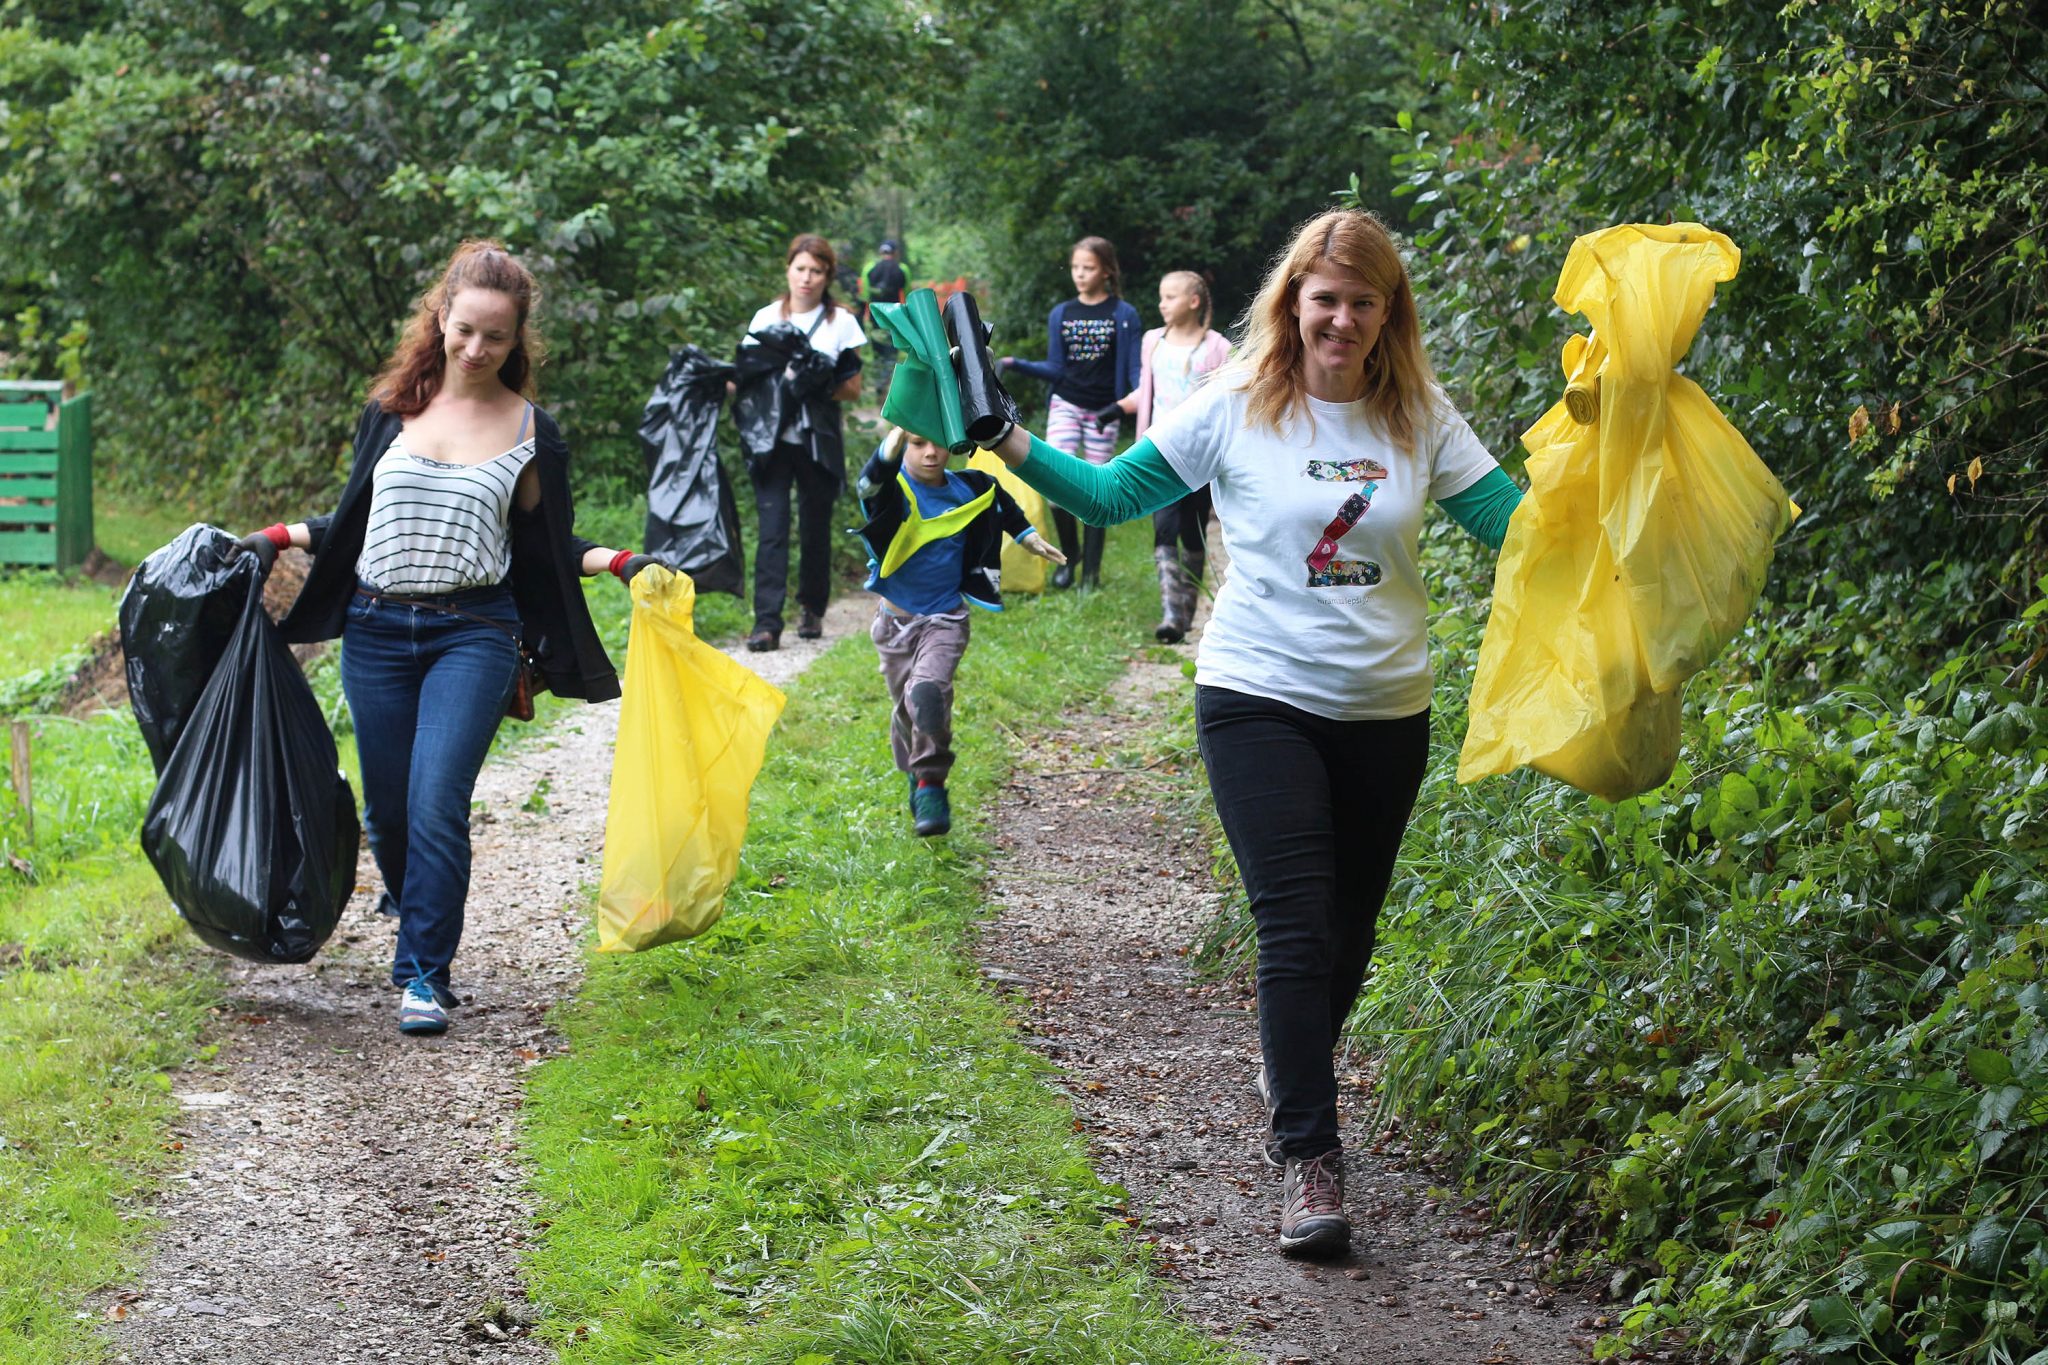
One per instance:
(1087, 339)
(1346, 471)
(1325, 570)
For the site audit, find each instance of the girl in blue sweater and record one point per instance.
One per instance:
(1092, 345)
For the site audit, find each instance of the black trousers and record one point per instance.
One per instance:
(1314, 811)
(817, 492)
(1184, 523)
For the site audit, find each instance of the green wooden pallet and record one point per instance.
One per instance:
(45, 474)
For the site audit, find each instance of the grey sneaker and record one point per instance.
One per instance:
(1270, 1148)
(1312, 1221)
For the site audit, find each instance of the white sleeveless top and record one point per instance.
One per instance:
(437, 527)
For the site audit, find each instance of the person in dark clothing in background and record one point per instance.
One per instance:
(805, 459)
(886, 284)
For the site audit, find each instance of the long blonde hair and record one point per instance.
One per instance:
(1398, 380)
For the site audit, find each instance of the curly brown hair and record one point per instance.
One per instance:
(413, 374)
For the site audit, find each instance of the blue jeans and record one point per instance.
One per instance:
(426, 691)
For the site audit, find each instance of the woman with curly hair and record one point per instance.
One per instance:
(452, 544)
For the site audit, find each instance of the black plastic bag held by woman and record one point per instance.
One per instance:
(693, 523)
(985, 405)
(176, 617)
(777, 373)
(253, 828)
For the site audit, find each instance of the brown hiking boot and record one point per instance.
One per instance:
(761, 641)
(1312, 1221)
(810, 626)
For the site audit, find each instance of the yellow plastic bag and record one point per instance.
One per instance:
(1644, 539)
(693, 728)
(1023, 571)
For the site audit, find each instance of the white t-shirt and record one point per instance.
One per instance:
(840, 332)
(1323, 616)
(1173, 377)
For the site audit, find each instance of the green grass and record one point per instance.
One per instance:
(106, 993)
(45, 617)
(128, 527)
(811, 1135)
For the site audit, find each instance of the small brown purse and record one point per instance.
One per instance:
(527, 683)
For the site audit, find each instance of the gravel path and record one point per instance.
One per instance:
(1100, 892)
(351, 1195)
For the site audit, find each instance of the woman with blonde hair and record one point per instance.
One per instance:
(1321, 443)
(452, 545)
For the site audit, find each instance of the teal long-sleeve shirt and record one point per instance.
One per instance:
(1140, 481)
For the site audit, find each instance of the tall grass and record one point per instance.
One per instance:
(1766, 1045)
(811, 1135)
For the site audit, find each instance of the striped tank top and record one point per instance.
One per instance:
(437, 527)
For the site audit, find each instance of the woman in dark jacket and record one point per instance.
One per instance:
(453, 542)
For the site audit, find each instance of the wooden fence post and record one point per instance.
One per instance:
(23, 792)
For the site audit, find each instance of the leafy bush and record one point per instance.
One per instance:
(1879, 164)
(239, 201)
(1775, 1031)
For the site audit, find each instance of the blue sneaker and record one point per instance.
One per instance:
(420, 1010)
(930, 811)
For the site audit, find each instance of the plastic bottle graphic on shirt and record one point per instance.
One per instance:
(1325, 570)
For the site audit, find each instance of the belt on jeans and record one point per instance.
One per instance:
(460, 597)
(445, 603)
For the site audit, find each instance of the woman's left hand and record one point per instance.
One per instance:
(633, 566)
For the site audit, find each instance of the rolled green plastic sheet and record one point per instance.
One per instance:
(924, 393)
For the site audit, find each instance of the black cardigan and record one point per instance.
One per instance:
(547, 557)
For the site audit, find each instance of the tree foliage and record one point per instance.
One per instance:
(1774, 1035)
(1880, 162)
(236, 200)
(1192, 135)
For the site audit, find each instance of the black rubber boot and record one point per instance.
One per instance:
(1174, 596)
(1067, 532)
(1193, 564)
(1093, 538)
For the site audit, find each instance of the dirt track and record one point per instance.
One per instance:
(1100, 893)
(351, 1195)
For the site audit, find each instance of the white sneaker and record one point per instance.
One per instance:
(421, 1011)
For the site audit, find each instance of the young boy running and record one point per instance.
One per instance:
(934, 539)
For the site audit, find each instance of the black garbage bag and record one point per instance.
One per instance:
(693, 522)
(253, 828)
(175, 617)
(777, 372)
(985, 405)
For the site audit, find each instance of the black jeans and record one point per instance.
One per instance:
(1183, 523)
(1314, 810)
(817, 492)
